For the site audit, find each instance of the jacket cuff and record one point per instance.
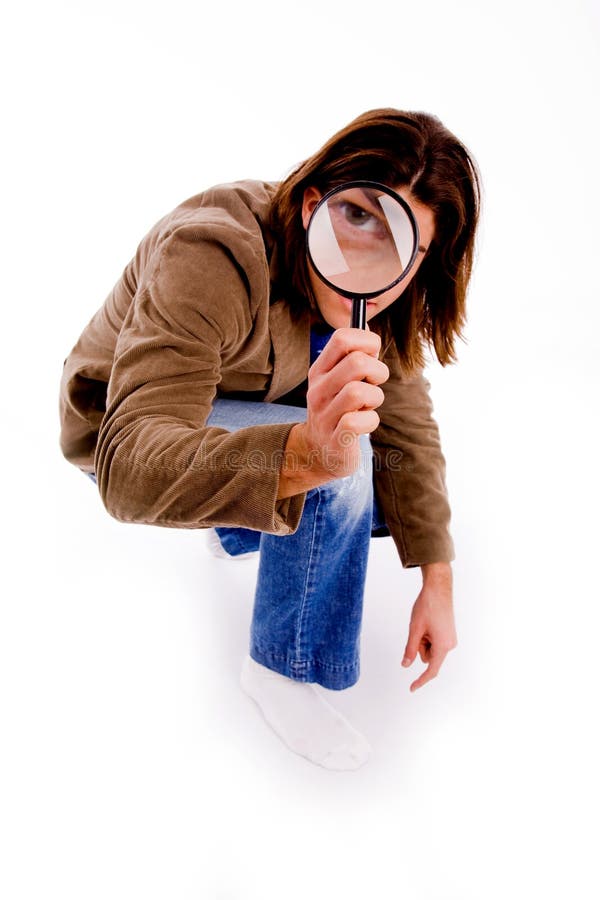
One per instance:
(423, 549)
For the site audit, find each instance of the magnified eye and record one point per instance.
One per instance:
(355, 215)
(358, 217)
(361, 238)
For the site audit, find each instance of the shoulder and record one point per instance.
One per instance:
(222, 231)
(233, 212)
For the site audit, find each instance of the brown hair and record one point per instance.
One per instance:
(412, 149)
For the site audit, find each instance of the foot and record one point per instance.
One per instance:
(303, 719)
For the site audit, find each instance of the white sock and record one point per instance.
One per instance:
(303, 719)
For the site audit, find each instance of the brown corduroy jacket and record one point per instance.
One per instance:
(192, 318)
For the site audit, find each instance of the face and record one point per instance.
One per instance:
(336, 309)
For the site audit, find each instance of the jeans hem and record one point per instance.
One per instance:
(236, 541)
(333, 676)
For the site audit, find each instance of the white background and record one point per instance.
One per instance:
(132, 765)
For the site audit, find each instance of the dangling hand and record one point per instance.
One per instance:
(432, 632)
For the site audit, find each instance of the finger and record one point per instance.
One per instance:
(415, 636)
(356, 366)
(430, 672)
(342, 342)
(325, 389)
(358, 396)
(355, 423)
(355, 396)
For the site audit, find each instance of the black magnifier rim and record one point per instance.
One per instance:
(354, 295)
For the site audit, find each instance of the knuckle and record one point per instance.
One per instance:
(356, 393)
(312, 397)
(354, 363)
(351, 394)
(362, 365)
(312, 391)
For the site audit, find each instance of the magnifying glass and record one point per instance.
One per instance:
(362, 239)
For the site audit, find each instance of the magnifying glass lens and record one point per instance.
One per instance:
(361, 239)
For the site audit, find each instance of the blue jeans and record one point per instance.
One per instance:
(307, 615)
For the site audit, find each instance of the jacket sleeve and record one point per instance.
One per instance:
(156, 460)
(410, 471)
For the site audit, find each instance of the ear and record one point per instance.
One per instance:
(309, 201)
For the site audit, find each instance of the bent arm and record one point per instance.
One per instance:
(157, 462)
(410, 472)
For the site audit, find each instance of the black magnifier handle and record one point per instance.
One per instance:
(359, 313)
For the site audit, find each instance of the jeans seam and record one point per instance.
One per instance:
(308, 584)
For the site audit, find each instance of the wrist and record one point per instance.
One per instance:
(298, 471)
(437, 572)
